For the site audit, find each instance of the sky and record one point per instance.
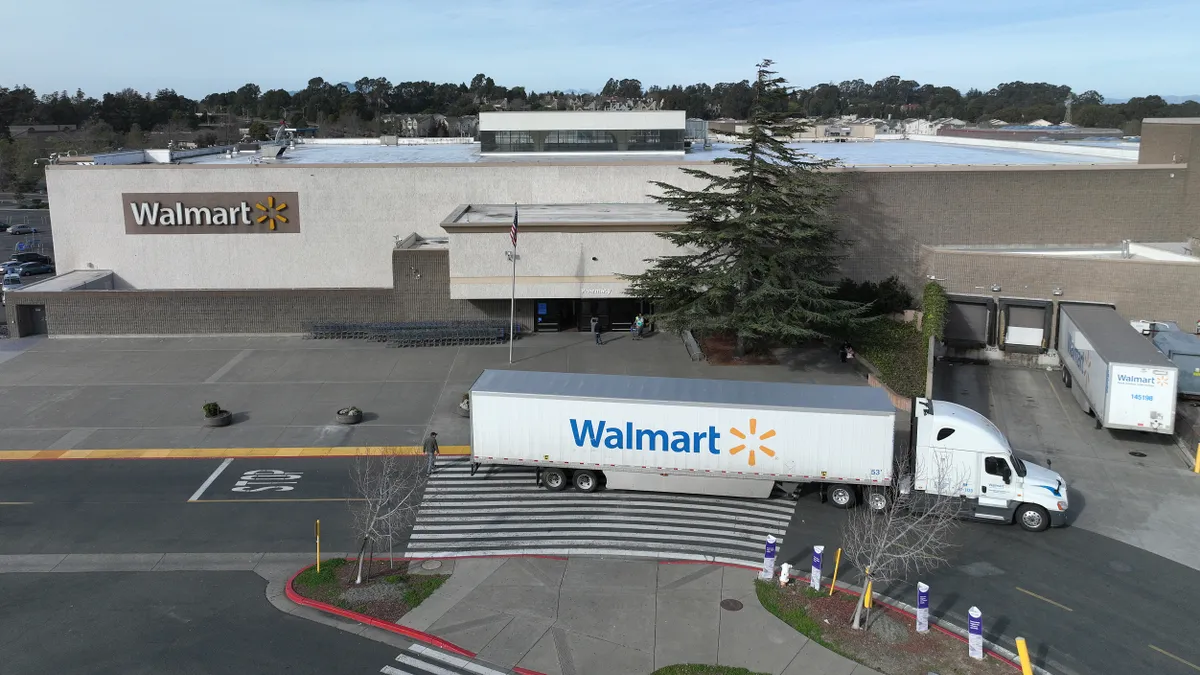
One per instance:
(1118, 48)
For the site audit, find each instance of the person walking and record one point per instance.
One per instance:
(596, 329)
(431, 451)
(640, 324)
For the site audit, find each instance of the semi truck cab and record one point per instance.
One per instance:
(960, 453)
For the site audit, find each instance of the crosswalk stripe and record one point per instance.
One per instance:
(617, 517)
(454, 660)
(477, 511)
(501, 511)
(425, 666)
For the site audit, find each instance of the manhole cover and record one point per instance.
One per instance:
(731, 604)
(1135, 453)
(431, 565)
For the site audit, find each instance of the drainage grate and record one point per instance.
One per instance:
(1135, 453)
(430, 565)
(731, 605)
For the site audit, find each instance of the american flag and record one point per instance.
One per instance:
(514, 227)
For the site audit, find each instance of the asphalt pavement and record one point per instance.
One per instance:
(1085, 603)
(124, 506)
(184, 623)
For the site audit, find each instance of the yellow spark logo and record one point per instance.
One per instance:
(760, 437)
(272, 212)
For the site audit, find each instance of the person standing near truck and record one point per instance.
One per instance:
(431, 451)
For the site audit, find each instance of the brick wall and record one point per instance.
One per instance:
(890, 214)
(192, 312)
(421, 292)
(1164, 291)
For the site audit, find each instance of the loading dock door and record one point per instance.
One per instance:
(967, 323)
(1026, 327)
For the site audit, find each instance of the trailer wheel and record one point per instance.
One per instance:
(1067, 378)
(843, 496)
(554, 479)
(585, 481)
(878, 499)
(1032, 517)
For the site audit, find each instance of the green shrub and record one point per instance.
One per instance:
(212, 409)
(328, 574)
(421, 587)
(898, 351)
(935, 307)
(889, 296)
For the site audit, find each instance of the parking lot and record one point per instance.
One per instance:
(283, 392)
(1132, 486)
(37, 242)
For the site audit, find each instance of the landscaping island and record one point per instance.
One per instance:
(890, 644)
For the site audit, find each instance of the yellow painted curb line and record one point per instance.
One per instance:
(221, 453)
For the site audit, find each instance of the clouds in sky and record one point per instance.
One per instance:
(1118, 48)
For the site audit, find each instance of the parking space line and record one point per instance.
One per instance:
(1044, 599)
(15, 503)
(212, 477)
(284, 499)
(1170, 655)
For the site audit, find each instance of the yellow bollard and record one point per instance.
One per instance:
(318, 545)
(866, 598)
(1196, 468)
(837, 561)
(1023, 652)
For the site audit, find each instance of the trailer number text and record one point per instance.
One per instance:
(1142, 397)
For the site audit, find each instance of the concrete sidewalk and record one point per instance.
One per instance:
(572, 616)
(580, 616)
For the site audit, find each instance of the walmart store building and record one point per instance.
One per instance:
(393, 233)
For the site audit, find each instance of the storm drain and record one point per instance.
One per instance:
(731, 605)
(1135, 453)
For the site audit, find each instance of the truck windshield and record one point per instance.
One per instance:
(1019, 466)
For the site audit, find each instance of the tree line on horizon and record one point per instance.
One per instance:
(367, 101)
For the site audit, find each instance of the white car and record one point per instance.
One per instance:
(12, 282)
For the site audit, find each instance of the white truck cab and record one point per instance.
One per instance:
(960, 453)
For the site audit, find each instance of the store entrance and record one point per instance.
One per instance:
(554, 315)
(615, 314)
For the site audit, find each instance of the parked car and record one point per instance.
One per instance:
(22, 229)
(10, 267)
(34, 268)
(11, 283)
(3, 227)
(31, 257)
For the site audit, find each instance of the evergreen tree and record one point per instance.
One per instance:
(760, 249)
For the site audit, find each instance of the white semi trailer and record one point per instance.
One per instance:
(1114, 372)
(746, 439)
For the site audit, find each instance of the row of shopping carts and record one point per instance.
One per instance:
(416, 333)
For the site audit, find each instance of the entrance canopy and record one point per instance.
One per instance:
(563, 250)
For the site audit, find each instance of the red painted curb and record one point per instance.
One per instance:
(411, 633)
(421, 636)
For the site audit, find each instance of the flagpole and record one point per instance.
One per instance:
(512, 307)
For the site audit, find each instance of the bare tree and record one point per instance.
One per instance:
(911, 532)
(388, 487)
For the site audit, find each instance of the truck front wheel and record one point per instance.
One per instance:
(554, 479)
(843, 496)
(1033, 517)
(585, 481)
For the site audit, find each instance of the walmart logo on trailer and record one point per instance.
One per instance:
(628, 437)
(1160, 380)
(616, 437)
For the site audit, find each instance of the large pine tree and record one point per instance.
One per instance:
(760, 250)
